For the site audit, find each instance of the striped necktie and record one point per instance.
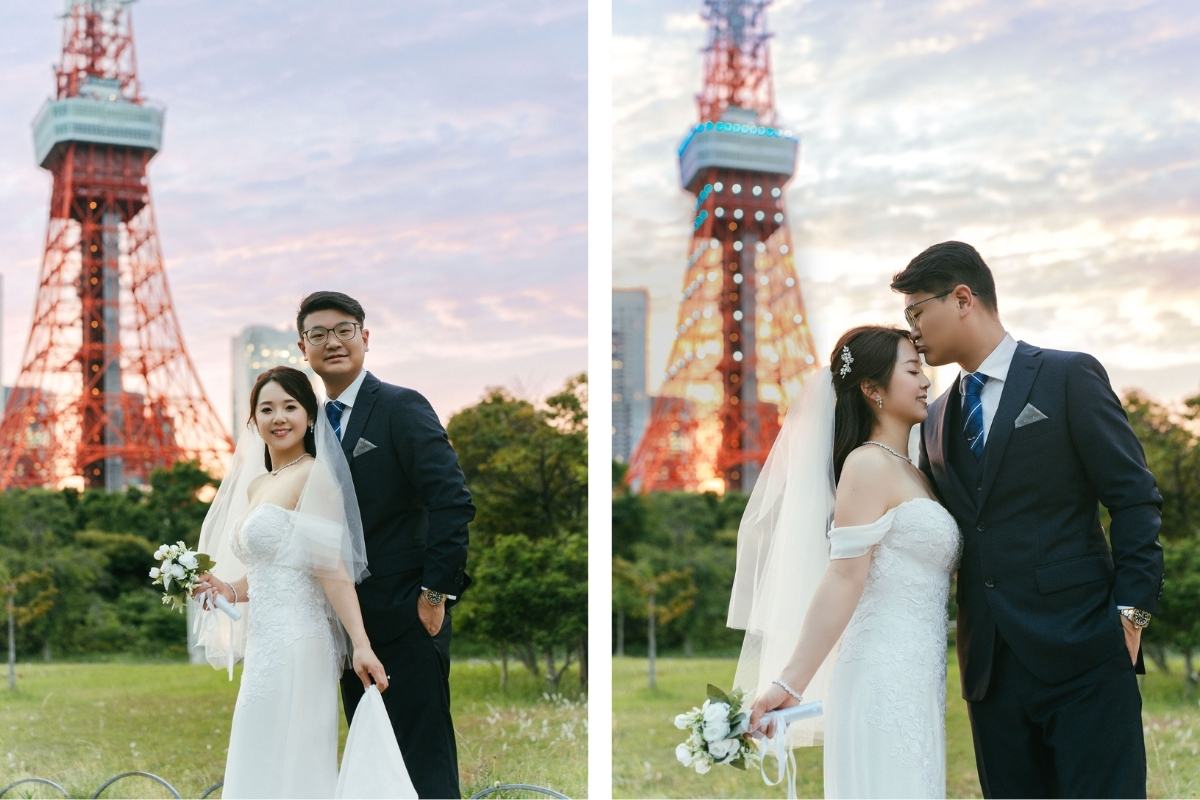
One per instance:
(333, 410)
(973, 410)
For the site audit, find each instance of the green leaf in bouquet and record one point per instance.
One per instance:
(718, 696)
(739, 724)
(204, 563)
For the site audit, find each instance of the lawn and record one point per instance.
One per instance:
(644, 737)
(80, 724)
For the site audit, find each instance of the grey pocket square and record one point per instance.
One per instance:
(363, 446)
(1028, 416)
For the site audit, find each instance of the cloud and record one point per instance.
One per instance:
(1059, 139)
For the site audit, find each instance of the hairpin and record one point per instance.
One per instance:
(847, 360)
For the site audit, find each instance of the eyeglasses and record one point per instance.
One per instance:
(908, 310)
(344, 331)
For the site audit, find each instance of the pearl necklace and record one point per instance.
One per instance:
(297, 461)
(890, 450)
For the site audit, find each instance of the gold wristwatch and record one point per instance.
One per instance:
(1139, 618)
(434, 598)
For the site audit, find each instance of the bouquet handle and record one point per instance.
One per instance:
(232, 612)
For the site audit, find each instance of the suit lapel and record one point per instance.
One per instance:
(1021, 375)
(359, 415)
(937, 448)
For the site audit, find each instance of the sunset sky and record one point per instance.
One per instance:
(427, 158)
(1061, 139)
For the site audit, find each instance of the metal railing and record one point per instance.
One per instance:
(506, 787)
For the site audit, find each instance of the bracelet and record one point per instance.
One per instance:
(799, 697)
(235, 594)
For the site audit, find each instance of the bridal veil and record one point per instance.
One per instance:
(783, 550)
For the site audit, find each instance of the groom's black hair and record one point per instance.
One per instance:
(328, 301)
(942, 267)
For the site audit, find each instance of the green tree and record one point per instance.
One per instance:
(666, 596)
(35, 605)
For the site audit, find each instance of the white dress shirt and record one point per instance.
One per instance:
(347, 399)
(995, 366)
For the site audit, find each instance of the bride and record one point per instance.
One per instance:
(285, 533)
(878, 579)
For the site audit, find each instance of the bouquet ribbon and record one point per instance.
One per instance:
(207, 624)
(784, 756)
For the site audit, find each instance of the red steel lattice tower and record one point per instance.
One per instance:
(107, 391)
(743, 346)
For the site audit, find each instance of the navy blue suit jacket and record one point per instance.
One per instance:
(1036, 565)
(414, 503)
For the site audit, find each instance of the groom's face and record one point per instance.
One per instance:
(933, 324)
(335, 358)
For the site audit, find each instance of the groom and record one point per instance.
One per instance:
(415, 509)
(1022, 448)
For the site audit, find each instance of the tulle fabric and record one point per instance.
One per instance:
(372, 766)
(327, 539)
(783, 551)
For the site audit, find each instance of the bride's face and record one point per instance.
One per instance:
(908, 393)
(281, 420)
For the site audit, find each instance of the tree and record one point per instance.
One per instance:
(22, 614)
(531, 595)
(526, 467)
(666, 596)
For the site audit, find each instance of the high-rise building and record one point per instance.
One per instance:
(254, 351)
(631, 404)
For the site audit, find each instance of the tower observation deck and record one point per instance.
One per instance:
(742, 346)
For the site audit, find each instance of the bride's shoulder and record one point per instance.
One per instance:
(867, 460)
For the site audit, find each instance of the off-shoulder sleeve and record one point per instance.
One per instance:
(853, 541)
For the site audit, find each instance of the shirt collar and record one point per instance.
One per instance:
(996, 365)
(348, 397)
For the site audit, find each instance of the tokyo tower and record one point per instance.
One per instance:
(107, 391)
(742, 341)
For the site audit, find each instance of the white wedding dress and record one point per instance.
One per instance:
(886, 704)
(284, 737)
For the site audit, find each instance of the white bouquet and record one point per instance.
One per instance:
(177, 575)
(718, 734)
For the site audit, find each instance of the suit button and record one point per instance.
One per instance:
(981, 527)
(989, 583)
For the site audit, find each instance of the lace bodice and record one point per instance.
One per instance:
(286, 602)
(896, 639)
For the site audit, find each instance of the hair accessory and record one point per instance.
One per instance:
(847, 360)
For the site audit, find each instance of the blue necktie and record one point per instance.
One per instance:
(973, 408)
(333, 410)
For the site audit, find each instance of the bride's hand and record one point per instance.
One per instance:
(773, 698)
(367, 665)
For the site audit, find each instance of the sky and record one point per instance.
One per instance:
(1061, 139)
(428, 159)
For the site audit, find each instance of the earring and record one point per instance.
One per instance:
(879, 401)
(310, 427)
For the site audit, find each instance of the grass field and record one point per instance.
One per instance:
(644, 737)
(80, 724)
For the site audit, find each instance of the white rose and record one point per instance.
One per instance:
(684, 754)
(724, 750)
(178, 571)
(683, 721)
(188, 560)
(716, 731)
(154, 572)
(715, 711)
(702, 766)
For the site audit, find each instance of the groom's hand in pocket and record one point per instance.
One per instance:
(1133, 638)
(431, 616)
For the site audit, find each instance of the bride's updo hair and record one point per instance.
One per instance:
(873, 351)
(296, 384)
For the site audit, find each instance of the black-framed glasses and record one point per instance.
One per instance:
(908, 310)
(344, 331)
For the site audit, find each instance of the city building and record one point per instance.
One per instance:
(630, 403)
(254, 351)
